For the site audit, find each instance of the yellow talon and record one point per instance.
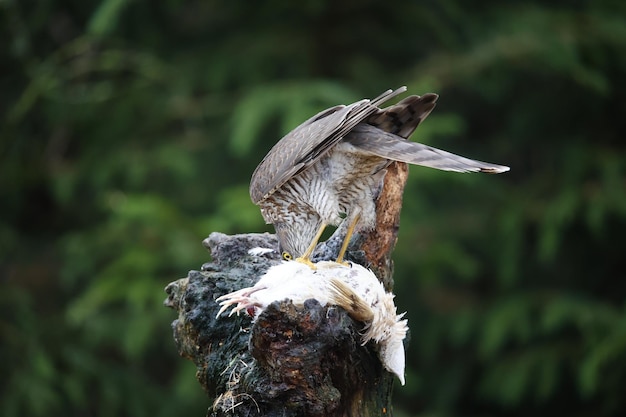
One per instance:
(306, 261)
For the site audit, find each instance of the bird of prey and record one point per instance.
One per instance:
(330, 169)
(355, 289)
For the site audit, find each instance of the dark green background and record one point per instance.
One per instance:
(130, 130)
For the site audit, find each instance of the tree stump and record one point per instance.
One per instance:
(293, 360)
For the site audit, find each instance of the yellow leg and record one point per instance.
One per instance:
(306, 256)
(346, 240)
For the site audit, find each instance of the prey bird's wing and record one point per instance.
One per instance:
(307, 143)
(373, 141)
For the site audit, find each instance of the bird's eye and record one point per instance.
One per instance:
(287, 256)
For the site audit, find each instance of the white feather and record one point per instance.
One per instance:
(354, 288)
(259, 251)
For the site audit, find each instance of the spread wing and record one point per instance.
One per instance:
(374, 141)
(307, 143)
(383, 134)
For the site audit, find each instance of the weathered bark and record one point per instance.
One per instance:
(294, 360)
(379, 244)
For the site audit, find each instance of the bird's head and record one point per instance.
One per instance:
(295, 237)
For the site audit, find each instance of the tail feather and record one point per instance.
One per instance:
(403, 118)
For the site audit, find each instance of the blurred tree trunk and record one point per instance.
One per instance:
(294, 360)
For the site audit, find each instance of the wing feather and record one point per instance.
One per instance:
(307, 143)
(374, 141)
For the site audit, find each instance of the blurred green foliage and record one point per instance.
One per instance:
(130, 130)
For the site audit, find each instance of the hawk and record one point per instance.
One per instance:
(331, 167)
